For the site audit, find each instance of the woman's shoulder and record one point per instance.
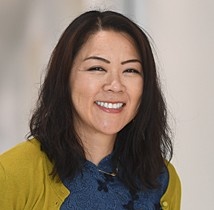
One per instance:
(172, 197)
(25, 176)
(25, 151)
(22, 159)
(29, 143)
(174, 180)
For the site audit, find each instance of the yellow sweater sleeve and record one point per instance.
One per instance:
(9, 189)
(171, 199)
(25, 183)
(3, 190)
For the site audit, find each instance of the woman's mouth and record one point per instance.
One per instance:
(109, 105)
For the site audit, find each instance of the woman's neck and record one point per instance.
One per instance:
(97, 147)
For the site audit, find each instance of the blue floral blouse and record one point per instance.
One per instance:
(95, 190)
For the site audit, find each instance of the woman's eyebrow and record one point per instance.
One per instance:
(131, 61)
(97, 58)
(107, 61)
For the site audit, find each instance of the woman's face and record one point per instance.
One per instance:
(106, 83)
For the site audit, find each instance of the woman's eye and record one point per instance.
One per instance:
(132, 71)
(96, 68)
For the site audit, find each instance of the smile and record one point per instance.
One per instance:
(109, 105)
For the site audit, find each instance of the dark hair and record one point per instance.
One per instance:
(141, 146)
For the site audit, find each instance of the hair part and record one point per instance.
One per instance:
(141, 146)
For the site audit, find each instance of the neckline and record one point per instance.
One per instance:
(104, 167)
(105, 160)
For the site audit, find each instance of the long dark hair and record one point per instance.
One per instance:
(141, 146)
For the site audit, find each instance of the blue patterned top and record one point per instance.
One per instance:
(94, 190)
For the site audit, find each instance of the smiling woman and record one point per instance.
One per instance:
(99, 137)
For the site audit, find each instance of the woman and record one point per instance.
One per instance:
(100, 138)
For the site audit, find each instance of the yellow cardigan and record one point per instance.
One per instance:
(25, 183)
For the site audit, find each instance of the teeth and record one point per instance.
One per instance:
(109, 105)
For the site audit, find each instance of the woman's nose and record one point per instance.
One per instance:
(114, 83)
